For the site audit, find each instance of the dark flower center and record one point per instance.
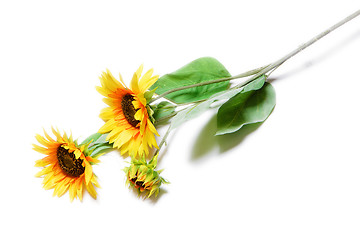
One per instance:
(129, 110)
(68, 163)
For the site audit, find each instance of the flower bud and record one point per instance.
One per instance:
(142, 176)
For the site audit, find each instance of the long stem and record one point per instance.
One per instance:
(263, 70)
(163, 140)
(299, 49)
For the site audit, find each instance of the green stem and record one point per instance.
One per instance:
(163, 140)
(277, 63)
(263, 70)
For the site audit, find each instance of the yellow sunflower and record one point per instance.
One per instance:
(127, 119)
(67, 166)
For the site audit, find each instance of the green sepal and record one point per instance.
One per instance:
(149, 176)
(150, 113)
(133, 169)
(153, 162)
(149, 94)
(163, 111)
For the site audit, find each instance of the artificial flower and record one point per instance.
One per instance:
(143, 177)
(67, 166)
(126, 119)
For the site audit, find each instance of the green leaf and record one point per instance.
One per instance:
(92, 138)
(197, 109)
(163, 110)
(198, 71)
(245, 108)
(100, 149)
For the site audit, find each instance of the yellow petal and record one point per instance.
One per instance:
(112, 136)
(109, 82)
(139, 71)
(139, 115)
(63, 186)
(40, 149)
(44, 171)
(123, 138)
(102, 91)
(41, 163)
(108, 126)
(113, 81)
(134, 83)
(56, 133)
(88, 172)
(145, 78)
(137, 104)
(147, 82)
(141, 99)
(80, 190)
(93, 160)
(95, 182)
(124, 148)
(152, 128)
(41, 140)
(106, 114)
(109, 101)
(48, 137)
(72, 191)
(121, 80)
(91, 190)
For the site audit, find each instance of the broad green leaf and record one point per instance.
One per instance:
(198, 71)
(101, 139)
(197, 109)
(100, 149)
(92, 138)
(162, 110)
(245, 108)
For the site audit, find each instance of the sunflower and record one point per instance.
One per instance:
(67, 166)
(142, 176)
(126, 119)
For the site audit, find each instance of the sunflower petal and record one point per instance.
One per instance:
(88, 172)
(134, 83)
(72, 191)
(152, 128)
(44, 171)
(80, 190)
(90, 188)
(106, 114)
(108, 126)
(123, 138)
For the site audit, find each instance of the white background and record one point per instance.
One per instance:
(296, 176)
